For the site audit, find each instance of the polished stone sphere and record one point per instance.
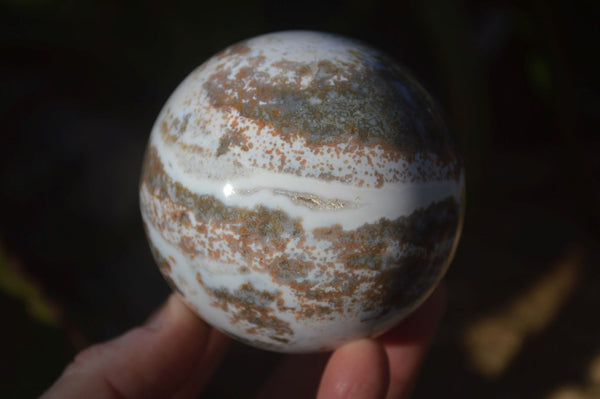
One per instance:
(301, 190)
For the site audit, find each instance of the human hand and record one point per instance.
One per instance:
(175, 354)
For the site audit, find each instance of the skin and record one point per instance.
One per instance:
(175, 354)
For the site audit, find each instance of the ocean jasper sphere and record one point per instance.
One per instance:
(301, 190)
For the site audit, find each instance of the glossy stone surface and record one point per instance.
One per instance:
(301, 190)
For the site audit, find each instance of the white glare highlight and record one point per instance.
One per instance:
(227, 190)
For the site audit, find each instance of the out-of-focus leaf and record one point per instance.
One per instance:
(16, 284)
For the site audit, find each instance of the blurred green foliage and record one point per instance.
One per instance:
(17, 285)
(33, 348)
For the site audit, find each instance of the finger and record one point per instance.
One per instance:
(355, 371)
(205, 367)
(296, 377)
(152, 361)
(407, 344)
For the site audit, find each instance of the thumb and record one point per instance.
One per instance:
(151, 361)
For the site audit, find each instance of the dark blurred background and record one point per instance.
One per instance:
(82, 81)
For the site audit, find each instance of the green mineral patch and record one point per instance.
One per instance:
(374, 102)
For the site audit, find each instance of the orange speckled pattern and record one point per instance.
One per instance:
(301, 190)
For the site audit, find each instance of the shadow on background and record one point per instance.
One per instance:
(81, 84)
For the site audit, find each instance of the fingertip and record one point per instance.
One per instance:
(178, 313)
(422, 322)
(406, 345)
(205, 366)
(355, 371)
